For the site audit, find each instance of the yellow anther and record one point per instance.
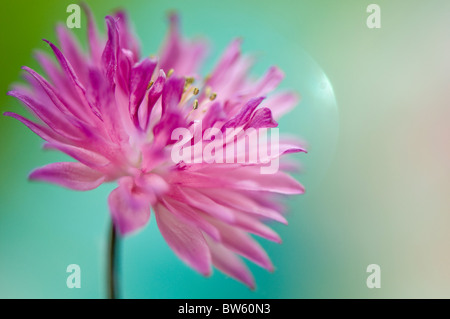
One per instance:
(213, 96)
(189, 81)
(195, 104)
(208, 91)
(196, 91)
(169, 73)
(149, 84)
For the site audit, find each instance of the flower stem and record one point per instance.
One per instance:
(112, 265)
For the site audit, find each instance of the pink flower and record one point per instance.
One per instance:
(114, 111)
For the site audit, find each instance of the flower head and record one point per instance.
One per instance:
(115, 112)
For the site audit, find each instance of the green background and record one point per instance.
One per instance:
(377, 174)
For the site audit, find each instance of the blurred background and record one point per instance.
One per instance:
(375, 113)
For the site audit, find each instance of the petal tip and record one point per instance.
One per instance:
(173, 16)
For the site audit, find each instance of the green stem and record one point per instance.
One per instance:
(112, 265)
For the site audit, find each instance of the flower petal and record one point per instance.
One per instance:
(241, 243)
(262, 118)
(42, 131)
(268, 82)
(171, 95)
(67, 68)
(282, 103)
(72, 51)
(126, 37)
(186, 241)
(141, 73)
(227, 262)
(182, 56)
(130, 209)
(53, 118)
(69, 174)
(240, 200)
(55, 97)
(111, 51)
(95, 43)
(244, 114)
(153, 95)
(205, 204)
(240, 177)
(85, 156)
(190, 216)
(254, 226)
(229, 57)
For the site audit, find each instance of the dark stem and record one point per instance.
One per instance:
(112, 265)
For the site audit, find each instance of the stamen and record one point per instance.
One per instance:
(213, 96)
(149, 84)
(195, 104)
(169, 73)
(189, 81)
(208, 91)
(196, 91)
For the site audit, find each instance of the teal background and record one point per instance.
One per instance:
(375, 113)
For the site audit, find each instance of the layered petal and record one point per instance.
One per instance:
(185, 240)
(228, 262)
(129, 206)
(69, 174)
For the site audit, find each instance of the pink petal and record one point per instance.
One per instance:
(111, 51)
(82, 155)
(230, 78)
(242, 244)
(227, 262)
(72, 51)
(69, 111)
(67, 68)
(205, 204)
(268, 82)
(282, 103)
(182, 56)
(229, 57)
(74, 80)
(141, 73)
(101, 99)
(245, 114)
(241, 177)
(186, 241)
(214, 114)
(130, 209)
(254, 226)
(98, 94)
(171, 95)
(126, 36)
(163, 130)
(42, 131)
(262, 118)
(95, 43)
(250, 178)
(53, 118)
(171, 50)
(153, 95)
(241, 201)
(59, 80)
(190, 216)
(69, 174)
